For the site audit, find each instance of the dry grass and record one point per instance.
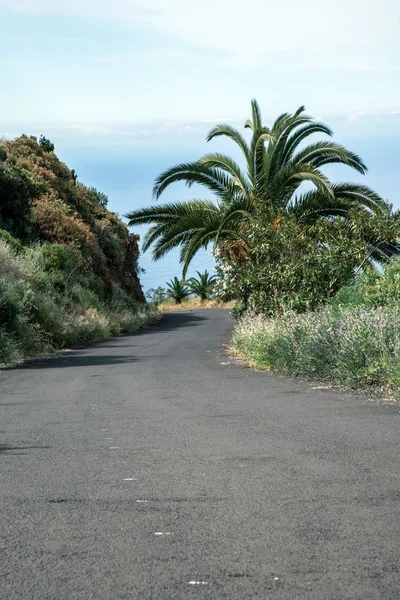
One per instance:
(194, 303)
(356, 348)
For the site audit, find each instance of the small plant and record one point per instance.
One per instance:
(177, 290)
(203, 286)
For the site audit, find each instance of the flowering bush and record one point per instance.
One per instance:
(40, 198)
(58, 224)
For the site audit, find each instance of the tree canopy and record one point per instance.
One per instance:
(276, 162)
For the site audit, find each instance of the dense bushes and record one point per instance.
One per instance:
(354, 341)
(297, 266)
(355, 348)
(68, 266)
(47, 302)
(41, 199)
(17, 189)
(373, 289)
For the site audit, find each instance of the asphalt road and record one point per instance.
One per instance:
(146, 467)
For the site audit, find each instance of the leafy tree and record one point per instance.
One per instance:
(98, 197)
(177, 290)
(276, 164)
(46, 144)
(156, 295)
(203, 286)
(300, 267)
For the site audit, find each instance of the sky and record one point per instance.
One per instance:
(108, 62)
(138, 83)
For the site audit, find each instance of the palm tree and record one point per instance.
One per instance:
(203, 286)
(177, 290)
(275, 167)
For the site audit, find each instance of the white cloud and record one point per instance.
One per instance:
(159, 129)
(285, 34)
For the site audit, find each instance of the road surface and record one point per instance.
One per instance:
(153, 467)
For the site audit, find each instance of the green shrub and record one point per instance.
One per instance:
(17, 188)
(10, 351)
(120, 300)
(373, 289)
(58, 257)
(46, 303)
(290, 265)
(98, 197)
(85, 298)
(13, 302)
(12, 241)
(19, 334)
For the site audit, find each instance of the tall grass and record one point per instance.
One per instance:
(195, 303)
(354, 342)
(45, 306)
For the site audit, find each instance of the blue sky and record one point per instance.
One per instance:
(102, 62)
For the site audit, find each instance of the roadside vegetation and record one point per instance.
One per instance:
(354, 341)
(310, 264)
(196, 292)
(68, 266)
(195, 303)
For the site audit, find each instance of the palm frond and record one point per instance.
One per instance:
(233, 134)
(259, 160)
(256, 123)
(277, 150)
(226, 163)
(256, 170)
(323, 153)
(301, 134)
(347, 198)
(289, 179)
(213, 179)
(362, 195)
(192, 246)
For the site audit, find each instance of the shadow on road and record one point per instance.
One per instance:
(170, 321)
(77, 357)
(16, 450)
(173, 320)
